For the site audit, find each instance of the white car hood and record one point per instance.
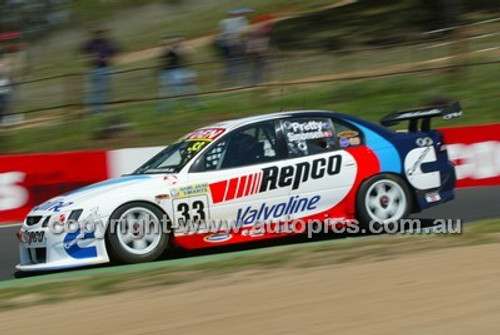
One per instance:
(107, 186)
(133, 186)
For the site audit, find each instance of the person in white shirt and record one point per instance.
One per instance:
(232, 42)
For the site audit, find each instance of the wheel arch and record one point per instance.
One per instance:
(110, 240)
(169, 219)
(414, 203)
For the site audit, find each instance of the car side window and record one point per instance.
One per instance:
(309, 136)
(252, 145)
(213, 158)
(347, 135)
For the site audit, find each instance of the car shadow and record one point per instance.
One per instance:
(179, 253)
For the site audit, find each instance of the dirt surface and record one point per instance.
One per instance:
(449, 291)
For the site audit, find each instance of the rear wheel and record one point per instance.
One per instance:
(136, 233)
(383, 199)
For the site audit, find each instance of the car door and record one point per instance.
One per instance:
(324, 172)
(236, 171)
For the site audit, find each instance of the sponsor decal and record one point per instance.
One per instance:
(424, 142)
(53, 206)
(207, 134)
(307, 130)
(249, 215)
(344, 142)
(419, 113)
(73, 249)
(418, 162)
(37, 236)
(196, 146)
(174, 192)
(413, 168)
(274, 177)
(348, 134)
(300, 127)
(348, 138)
(452, 115)
(354, 141)
(217, 238)
(295, 175)
(190, 190)
(432, 197)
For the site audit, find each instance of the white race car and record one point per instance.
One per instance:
(217, 184)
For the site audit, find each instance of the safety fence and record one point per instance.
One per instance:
(28, 180)
(140, 84)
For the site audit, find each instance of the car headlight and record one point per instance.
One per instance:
(45, 222)
(75, 215)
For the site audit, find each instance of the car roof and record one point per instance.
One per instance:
(236, 123)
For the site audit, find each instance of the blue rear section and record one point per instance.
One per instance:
(388, 156)
(392, 148)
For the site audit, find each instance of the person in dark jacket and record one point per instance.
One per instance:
(100, 52)
(175, 78)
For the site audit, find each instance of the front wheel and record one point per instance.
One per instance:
(383, 199)
(136, 233)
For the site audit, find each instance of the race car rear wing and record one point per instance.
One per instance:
(425, 114)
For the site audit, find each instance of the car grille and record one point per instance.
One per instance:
(38, 255)
(33, 220)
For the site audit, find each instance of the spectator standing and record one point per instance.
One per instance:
(232, 41)
(100, 52)
(175, 78)
(258, 47)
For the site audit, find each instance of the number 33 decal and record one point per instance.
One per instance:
(190, 211)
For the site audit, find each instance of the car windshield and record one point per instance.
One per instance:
(173, 158)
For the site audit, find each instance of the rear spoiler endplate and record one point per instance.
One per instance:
(425, 114)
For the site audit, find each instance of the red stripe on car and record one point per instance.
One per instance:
(218, 190)
(250, 183)
(257, 184)
(231, 191)
(241, 186)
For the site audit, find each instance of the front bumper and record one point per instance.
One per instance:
(61, 265)
(42, 249)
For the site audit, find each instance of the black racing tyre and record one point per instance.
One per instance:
(382, 199)
(137, 233)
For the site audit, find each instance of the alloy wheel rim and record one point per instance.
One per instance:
(385, 201)
(139, 231)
